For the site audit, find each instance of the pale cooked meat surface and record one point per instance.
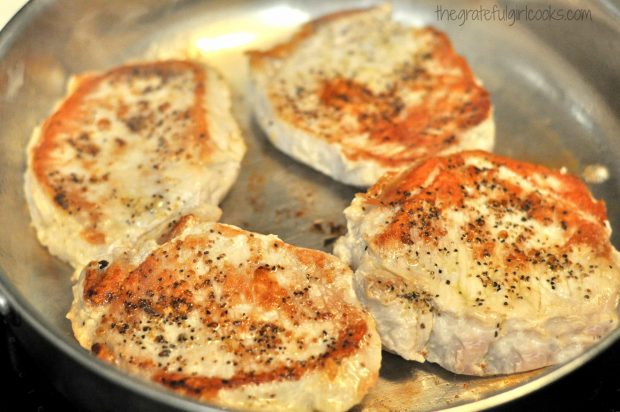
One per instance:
(354, 94)
(234, 318)
(482, 264)
(126, 150)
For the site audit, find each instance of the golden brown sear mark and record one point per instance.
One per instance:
(449, 104)
(423, 206)
(186, 277)
(73, 146)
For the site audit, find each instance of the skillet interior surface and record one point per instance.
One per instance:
(554, 86)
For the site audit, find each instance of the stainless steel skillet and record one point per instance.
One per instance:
(554, 85)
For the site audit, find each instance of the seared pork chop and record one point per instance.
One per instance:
(234, 318)
(355, 94)
(482, 264)
(126, 150)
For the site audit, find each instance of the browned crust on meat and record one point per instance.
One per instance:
(421, 208)
(163, 290)
(435, 125)
(176, 227)
(451, 104)
(68, 126)
(346, 344)
(473, 220)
